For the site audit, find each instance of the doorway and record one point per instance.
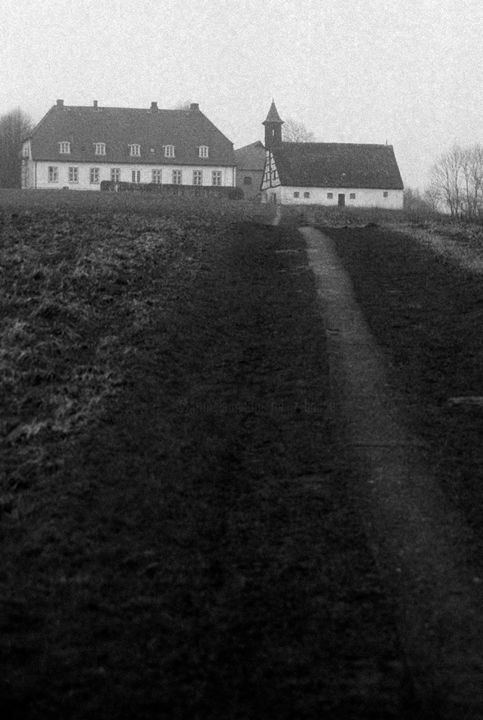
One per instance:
(341, 200)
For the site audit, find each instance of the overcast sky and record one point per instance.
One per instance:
(406, 72)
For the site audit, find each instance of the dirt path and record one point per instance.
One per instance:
(418, 540)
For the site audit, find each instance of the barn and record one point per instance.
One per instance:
(340, 174)
(78, 147)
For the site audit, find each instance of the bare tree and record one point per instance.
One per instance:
(446, 177)
(15, 126)
(413, 200)
(457, 180)
(472, 170)
(295, 131)
(477, 178)
(432, 198)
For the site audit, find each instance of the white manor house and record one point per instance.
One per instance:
(77, 147)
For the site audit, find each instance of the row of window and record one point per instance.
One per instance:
(156, 176)
(134, 149)
(330, 196)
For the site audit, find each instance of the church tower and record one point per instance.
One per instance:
(273, 127)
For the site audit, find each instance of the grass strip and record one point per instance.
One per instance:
(426, 314)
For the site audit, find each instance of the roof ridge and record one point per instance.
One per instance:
(286, 143)
(257, 143)
(119, 107)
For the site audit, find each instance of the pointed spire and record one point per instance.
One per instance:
(273, 127)
(273, 116)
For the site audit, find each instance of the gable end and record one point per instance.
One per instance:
(271, 176)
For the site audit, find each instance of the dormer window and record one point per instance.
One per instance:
(203, 151)
(135, 150)
(64, 147)
(169, 151)
(100, 148)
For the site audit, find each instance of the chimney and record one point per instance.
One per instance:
(194, 106)
(95, 104)
(60, 104)
(154, 106)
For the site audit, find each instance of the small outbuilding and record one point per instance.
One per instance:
(250, 161)
(340, 174)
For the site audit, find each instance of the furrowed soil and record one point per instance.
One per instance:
(189, 550)
(425, 311)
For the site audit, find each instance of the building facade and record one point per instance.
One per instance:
(250, 161)
(332, 174)
(78, 147)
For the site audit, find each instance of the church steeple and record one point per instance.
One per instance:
(273, 127)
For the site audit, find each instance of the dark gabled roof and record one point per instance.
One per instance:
(337, 165)
(273, 116)
(153, 128)
(251, 157)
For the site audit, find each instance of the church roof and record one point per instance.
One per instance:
(117, 127)
(273, 115)
(344, 165)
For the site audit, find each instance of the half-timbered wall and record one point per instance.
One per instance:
(270, 173)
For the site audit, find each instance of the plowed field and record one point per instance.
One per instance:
(177, 536)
